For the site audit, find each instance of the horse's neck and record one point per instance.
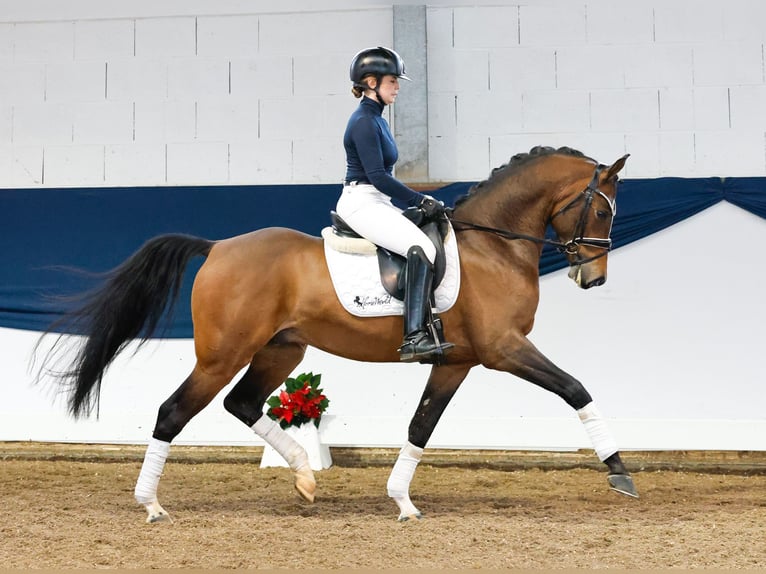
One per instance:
(520, 204)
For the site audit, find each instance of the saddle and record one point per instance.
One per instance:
(392, 265)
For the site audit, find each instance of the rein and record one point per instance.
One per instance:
(570, 247)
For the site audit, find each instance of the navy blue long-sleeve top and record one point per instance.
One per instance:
(371, 152)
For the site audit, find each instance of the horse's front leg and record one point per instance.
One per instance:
(441, 387)
(527, 362)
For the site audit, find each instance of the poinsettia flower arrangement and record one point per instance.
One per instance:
(300, 402)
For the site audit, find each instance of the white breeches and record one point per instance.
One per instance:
(372, 215)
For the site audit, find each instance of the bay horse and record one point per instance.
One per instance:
(261, 298)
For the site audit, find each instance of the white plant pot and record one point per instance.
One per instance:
(306, 435)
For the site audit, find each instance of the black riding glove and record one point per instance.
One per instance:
(432, 208)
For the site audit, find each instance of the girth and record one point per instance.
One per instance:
(391, 264)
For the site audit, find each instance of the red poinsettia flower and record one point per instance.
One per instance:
(302, 401)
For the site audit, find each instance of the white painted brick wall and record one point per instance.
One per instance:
(262, 96)
(227, 36)
(103, 40)
(21, 166)
(134, 164)
(75, 81)
(74, 165)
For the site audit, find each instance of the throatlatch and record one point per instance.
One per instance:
(423, 333)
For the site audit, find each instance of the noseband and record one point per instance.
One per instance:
(571, 247)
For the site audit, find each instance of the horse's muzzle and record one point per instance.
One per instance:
(580, 275)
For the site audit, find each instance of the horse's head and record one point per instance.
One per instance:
(582, 218)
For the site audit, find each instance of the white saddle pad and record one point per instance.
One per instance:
(356, 278)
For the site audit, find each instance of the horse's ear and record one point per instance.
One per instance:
(615, 168)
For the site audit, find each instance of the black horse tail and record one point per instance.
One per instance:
(129, 304)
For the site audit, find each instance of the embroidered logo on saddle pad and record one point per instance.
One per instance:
(355, 274)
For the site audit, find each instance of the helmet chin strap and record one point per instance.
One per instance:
(376, 89)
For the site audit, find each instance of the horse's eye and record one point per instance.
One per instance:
(601, 214)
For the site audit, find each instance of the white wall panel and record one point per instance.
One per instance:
(75, 81)
(659, 65)
(102, 122)
(644, 149)
(134, 164)
(559, 111)
(21, 166)
(677, 155)
(312, 32)
(442, 115)
(676, 109)
(475, 118)
(619, 22)
(711, 108)
(103, 39)
(227, 36)
(74, 165)
(459, 70)
(6, 124)
(137, 79)
(590, 67)
(747, 106)
(198, 78)
(624, 110)
(269, 76)
(555, 24)
(728, 64)
(197, 163)
(43, 123)
(323, 74)
(165, 121)
(743, 20)
(233, 120)
(6, 42)
(459, 157)
(292, 117)
(319, 159)
(267, 162)
(165, 37)
(519, 69)
(720, 152)
(22, 82)
(688, 21)
(486, 26)
(43, 41)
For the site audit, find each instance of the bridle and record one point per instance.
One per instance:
(571, 247)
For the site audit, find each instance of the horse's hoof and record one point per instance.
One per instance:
(622, 483)
(407, 517)
(163, 517)
(305, 484)
(156, 513)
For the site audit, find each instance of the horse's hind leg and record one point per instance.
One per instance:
(267, 371)
(194, 394)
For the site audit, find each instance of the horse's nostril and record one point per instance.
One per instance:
(596, 282)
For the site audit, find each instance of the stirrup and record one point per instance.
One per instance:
(420, 347)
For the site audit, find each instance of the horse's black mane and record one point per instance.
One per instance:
(519, 160)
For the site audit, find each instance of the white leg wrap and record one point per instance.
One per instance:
(149, 477)
(293, 453)
(399, 481)
(598, 432)
(404, 470)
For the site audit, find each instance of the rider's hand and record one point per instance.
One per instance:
(432, 208)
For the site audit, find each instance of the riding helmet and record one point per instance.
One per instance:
(378, 62)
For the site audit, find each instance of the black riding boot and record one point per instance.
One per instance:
(419, 342)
